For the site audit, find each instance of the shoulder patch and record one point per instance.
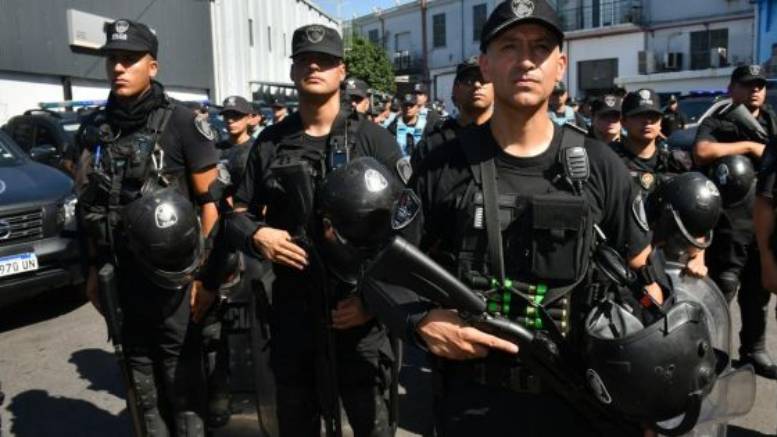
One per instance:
(638, 211)
(404, 169)
(203, 126)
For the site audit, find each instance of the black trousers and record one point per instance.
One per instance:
(163, 349)
(362, 359)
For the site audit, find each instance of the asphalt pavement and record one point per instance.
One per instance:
(60, 378)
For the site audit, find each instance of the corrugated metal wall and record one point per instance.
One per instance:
(33, 38)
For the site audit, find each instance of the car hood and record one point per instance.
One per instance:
(32, 182)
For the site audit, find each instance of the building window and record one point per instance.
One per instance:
(250, 32)
(373, 36)
(438, 30)
(702, 45)
(269, 38)
(596, 76)
(479, 17)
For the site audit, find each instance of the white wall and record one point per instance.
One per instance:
(237, 63)
(678, 39)
(671, 10)
(442, 86)
(20, 92)
(623, 47)
(681, 82)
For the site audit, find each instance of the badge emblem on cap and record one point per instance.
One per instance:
(165, 216)
(609, 101)
(644, 94)
(315, 34)
(351, 84)
(374, 181)
(122, 26)
(523, 8)
(755, 70)
(231, 101)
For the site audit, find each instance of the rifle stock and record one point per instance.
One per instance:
(108, 295)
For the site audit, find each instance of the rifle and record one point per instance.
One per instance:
(400, 263)
(296, 181)
(108, 295)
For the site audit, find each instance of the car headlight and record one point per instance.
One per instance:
(67, 213)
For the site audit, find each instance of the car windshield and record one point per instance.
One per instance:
(694, 107)
(9, 154)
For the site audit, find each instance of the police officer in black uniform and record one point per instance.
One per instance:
(474, 98)
(673, 118)
(320, 137)
(733, 259)
(237, 114)
(490, 177)
(356, 93)
(140, 148)
(606, 118)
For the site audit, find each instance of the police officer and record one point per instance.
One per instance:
(474, 99)
(256, 122)
(356, 93)
(320, 137)
(426, 112)
(489, 178)
(606, 119)
(560, 112)
(237, 114)
(733, 258)
(280, 109)
(673, 118)
(408, 126)
(144, 148)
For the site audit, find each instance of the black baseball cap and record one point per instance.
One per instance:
(130, 36)
(748, 74)
(278, 102)
(512, 12)
(316, 38)
(641, 101)
(236, 104)
(420, 88)
(355, 87)
(608, 103)
(409, 99)
(466, 66)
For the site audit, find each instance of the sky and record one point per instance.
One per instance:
(358, 7)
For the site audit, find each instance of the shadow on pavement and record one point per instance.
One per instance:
(36, 413)
(735, 431)
(415, 406)
(42, 307)
(101, 369)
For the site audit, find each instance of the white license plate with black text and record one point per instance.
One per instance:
(16, 264)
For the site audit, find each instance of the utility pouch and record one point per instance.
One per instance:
(558, 237)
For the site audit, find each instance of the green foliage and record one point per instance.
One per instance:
(370, 63)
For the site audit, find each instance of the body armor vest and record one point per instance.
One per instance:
(415, 132)
(547, 238)
(121, 170)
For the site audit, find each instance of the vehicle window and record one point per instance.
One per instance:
(8, 153)
(22, 133)
(44, 136)
(694, 108)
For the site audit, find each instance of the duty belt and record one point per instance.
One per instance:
(500, 373)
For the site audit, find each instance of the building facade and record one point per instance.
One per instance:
(674, 47)
(766, 38)
(252, 44)
(48, 49)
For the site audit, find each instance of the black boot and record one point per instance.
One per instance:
(762, 363)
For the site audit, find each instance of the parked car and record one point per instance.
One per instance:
(39, 248)
(46, 136)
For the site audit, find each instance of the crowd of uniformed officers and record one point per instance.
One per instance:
(180, 214)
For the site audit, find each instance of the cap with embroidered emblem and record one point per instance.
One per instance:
(641, 101)
(512, 12)
(237, 104)
(606, 104)
(355, 87)
(316, 38)
(748, 74)
(130, 36)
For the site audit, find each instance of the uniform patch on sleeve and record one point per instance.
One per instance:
(638, 211)
(404, 169)
(203, 127)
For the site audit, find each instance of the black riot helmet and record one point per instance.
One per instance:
(361, 203)
(163, 234)
(655, 373)
(687, 206)
(364, 202)
(734, 175)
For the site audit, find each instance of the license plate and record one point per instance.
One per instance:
(237, 318)
(16, 264)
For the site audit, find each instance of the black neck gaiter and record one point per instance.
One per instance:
(132, 116)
